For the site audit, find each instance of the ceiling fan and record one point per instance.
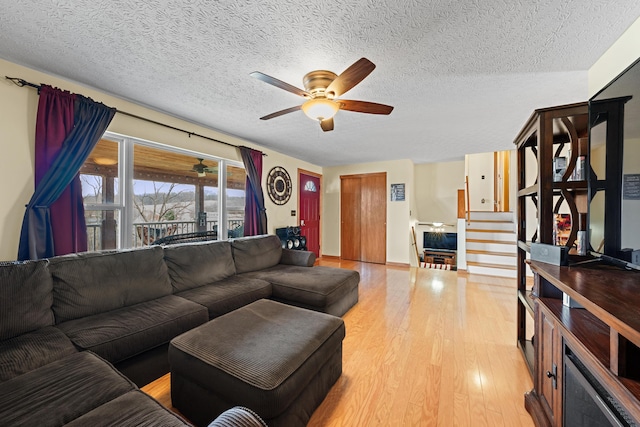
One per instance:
(201, 169)
(322, 89)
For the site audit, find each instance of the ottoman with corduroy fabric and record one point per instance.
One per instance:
(275, 359)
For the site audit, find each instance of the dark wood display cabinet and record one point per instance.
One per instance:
(552, 198)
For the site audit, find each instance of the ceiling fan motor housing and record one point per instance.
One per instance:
(316, 82)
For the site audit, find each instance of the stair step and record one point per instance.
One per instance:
(481, 252)
(487, 265)
(509, 260)
(502, 242)
(497, 272)
(482, 230)
(478, 215)
(491, 225)
(492, 246)
(493, 221)
(492, 235)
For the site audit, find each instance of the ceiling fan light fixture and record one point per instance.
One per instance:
(202, 174)
(105, 161)
(320, 108)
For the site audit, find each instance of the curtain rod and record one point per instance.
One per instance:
(20, 82)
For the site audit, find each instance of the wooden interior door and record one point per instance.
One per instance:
(309, 209)
(363, 213)
(350, 209)
(373, 221)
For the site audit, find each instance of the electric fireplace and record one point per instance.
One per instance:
(586, 402)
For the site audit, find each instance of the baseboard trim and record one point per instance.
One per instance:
(398, 264)
(331, 257)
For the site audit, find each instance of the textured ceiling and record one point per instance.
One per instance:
(463, 76)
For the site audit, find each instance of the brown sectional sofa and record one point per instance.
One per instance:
(75, 313)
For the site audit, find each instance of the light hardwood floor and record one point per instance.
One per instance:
(424, 347)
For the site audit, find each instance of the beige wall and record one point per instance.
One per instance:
(17, 123)
(399, 214)
(618, 57)
(280, 216)
(437, 187)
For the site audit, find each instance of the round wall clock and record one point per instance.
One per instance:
(279, 185)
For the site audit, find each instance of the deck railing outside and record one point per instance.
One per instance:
(145, 233)
(94, 237)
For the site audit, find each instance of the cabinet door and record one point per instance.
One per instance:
(548, 365)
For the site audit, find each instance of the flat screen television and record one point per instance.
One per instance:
(439, 240)
(614, 180)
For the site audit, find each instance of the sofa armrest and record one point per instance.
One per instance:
(301, 258)
(238, 416)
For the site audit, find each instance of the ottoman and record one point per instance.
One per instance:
(275, 359)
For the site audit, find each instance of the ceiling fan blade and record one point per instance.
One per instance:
(281, 113)
(326, 124)
(351, 77)
(364, 107)
(279, 83)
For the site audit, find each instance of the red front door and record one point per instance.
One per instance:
(310, 211)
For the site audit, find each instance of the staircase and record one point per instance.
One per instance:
(491, 244)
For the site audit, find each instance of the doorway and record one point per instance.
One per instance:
(501, 180)
(363, 217)
(309, 206)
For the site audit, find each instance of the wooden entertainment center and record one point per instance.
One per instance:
(584, 349)
(440, 256)
(604, 336)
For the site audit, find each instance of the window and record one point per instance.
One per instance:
(101, 191)
(310, 186)
(168, 191)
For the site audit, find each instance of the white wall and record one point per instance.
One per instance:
(616, 59)
(18, 107)
(399, 214)
(480, 170)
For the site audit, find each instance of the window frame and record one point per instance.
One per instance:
(124, 206)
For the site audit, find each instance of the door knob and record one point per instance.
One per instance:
(302, 223)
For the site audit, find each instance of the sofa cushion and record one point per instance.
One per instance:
(25, 298)
(126, 332)
(295, 257)
(309, 287)
(95, 282)
(32, 350)
(61, 391)
(131, 409)
(192, 265)
(256, 252)
(228, 294)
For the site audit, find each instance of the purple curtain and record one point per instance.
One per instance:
(255, 214)
(68, 126)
